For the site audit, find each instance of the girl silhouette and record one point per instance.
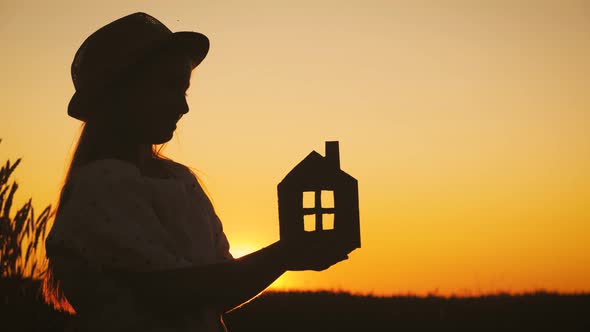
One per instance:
(136, 244)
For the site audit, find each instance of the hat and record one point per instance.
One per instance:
(118, 46)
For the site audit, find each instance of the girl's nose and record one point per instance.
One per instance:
(184, 107)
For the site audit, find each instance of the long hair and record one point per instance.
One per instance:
(94, 140)
(84, 153)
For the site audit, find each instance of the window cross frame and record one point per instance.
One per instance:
(318, 210)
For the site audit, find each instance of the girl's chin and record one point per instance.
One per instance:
(163, 138)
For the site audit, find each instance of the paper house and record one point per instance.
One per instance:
(317, 196)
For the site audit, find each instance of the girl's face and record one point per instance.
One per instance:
(157, 99)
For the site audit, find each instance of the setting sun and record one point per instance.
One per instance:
(238, 250)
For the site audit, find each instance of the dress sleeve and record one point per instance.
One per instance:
(221, 242)
(207, 212)
(107, 219)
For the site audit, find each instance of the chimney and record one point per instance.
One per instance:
(333, 154)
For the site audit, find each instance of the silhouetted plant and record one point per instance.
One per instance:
(21, 234)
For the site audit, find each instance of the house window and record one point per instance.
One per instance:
(327, 198)
(309, 199)
(309, 222)
(318, 210)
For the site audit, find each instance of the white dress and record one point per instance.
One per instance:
(114, 217)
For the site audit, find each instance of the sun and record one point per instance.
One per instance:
(281, 284)
(284, 283)
(240, 250)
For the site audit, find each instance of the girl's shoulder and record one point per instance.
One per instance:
(178, 169)
(107, 168)
(108, 171)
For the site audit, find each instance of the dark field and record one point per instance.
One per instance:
(20, 310)
(344, 312)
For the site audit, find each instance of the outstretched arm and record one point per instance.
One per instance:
(228, 284)
(223, 285)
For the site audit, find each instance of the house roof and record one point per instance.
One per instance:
(316, 169)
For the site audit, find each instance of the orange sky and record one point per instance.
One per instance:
(466, 123)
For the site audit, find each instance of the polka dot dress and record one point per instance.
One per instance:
(112, 217)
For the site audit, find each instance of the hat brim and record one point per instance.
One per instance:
(193, 44)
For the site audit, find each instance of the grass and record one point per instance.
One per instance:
(22, 309)
(325, 311)
(21, 234)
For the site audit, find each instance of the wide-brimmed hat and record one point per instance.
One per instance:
(118, 46)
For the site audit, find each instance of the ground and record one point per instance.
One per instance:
(22, 310)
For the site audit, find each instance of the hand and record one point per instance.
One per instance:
(311, 252)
